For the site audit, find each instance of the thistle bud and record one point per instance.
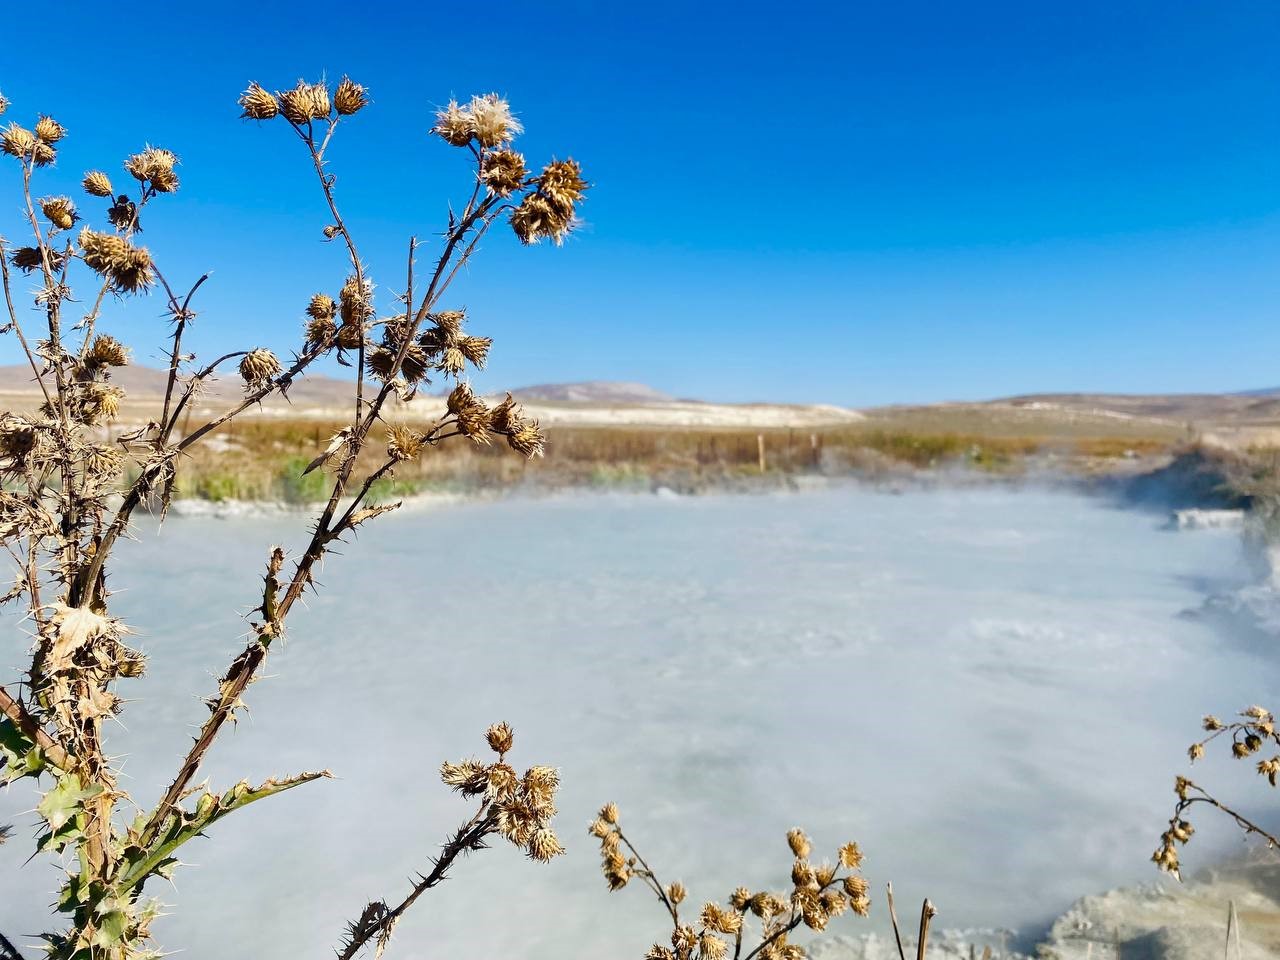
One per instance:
(460, 397)
(258, 368)
(258, 104)
(322, 307)
(318, 105)
(50, 130)
(295, 104)
(609, 813)
(676, 892)
(154, 165)
(97, 184)
(350, 97)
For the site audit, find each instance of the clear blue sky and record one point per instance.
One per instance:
(854, 203)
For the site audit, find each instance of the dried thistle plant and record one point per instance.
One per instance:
(815, 895)
(64, 504)
(1255, 729)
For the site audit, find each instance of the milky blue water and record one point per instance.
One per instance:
(990, 690)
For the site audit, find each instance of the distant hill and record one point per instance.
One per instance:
(592, 391)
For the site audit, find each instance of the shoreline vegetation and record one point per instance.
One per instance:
(265, 462)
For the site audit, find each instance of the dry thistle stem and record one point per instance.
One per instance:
(65, 503)
(816, 896)
(1256, 727)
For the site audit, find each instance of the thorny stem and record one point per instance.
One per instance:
(470, 836)
(652, 877)
(181, 315)
(245, 667)
(32, 730)
(1243, 822)
(17, 327)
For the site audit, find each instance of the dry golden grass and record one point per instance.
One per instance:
(263, 459)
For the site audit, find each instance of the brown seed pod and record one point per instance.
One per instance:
(97, 184)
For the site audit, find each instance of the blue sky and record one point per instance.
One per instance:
(852, 203)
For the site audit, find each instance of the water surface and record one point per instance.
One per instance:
(989, 690)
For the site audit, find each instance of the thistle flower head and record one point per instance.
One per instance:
(322, 307)
(473, 422)
(452, 362)
(258, 104)
(26, 259)
(50, 130)
(537, 218)
(609, 813)
(455, 125)
(356, 298)
(155, 166)
(304, 103)
(17, 141)
(112, 257)
(107, 351)
(799, 843)
(97, 184)
(501, 737)
(475, 349)
(503, 172)
(258, 367)
(850, 856)
(60, 212)
(491, 121)
(404, 443)
(320, 331)
(43, 154)
(349, 336)
(561, 182)
(123, 214)
(460, 397)
(528, 441)
(544, 845)
(676, 892)
(350, 97)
